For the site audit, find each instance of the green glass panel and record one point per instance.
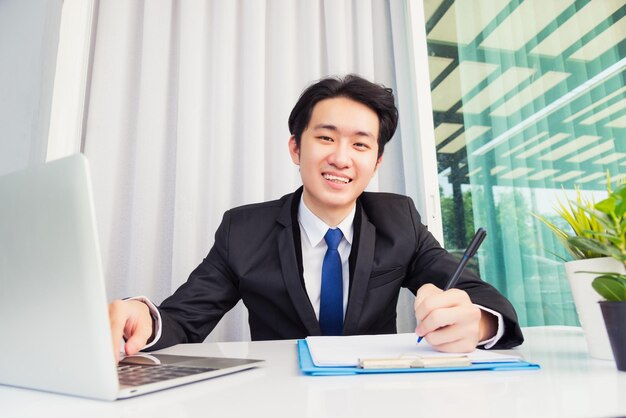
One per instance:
(529, 103)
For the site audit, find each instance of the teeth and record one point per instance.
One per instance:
(335, 178)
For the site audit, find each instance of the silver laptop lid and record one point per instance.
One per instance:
(53, 308)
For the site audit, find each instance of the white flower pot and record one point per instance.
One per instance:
(586, 301)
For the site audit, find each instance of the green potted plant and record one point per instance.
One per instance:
(589, 246)
(611, 285)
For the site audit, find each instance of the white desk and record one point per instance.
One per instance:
(570, 384)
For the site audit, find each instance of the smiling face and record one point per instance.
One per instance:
(338, 156)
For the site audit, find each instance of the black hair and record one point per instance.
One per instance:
(375, 96)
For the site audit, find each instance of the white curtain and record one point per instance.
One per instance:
(187, 117)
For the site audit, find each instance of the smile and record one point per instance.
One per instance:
(336, 179)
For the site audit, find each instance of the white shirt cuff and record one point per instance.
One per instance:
(156, 319)
(499, 333)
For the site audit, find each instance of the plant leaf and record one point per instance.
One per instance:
(620, 191)
(556, 255)
(612, 287)
(589, 244)
(599, 216)
(562, 237)
(620, 207)
(610, 237)
(607, 205)
(619, 194)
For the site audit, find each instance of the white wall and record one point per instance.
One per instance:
(29, 34)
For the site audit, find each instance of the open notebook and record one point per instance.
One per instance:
(342, 355)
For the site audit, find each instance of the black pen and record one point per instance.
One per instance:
(479, 236)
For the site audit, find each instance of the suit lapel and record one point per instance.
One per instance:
(289, 265)
(361, 276)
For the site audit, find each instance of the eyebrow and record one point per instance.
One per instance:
(335, 129)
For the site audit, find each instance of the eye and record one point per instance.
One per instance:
(325, 138)
(361, 145)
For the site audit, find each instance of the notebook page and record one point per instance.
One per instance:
(346, 351)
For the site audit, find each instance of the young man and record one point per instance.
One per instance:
(328, 259)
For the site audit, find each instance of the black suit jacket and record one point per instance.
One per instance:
(257, 257)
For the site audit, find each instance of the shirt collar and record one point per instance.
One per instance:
(315, 228)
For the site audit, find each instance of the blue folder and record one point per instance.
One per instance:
(309, 368)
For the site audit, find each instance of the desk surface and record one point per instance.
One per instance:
(570, 384)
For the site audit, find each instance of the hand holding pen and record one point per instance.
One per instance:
(469, 253)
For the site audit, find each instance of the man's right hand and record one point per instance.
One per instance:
(130, 319)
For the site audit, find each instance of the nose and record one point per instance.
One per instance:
(340, 157)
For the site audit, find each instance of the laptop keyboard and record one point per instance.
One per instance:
(141, 374)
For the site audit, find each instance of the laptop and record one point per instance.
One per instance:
(53, 307)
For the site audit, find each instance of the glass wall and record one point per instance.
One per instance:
(529, 101)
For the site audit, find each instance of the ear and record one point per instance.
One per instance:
(294, 151)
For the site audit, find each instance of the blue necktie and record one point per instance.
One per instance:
(331, 298)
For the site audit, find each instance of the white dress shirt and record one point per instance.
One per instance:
(312, 231)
